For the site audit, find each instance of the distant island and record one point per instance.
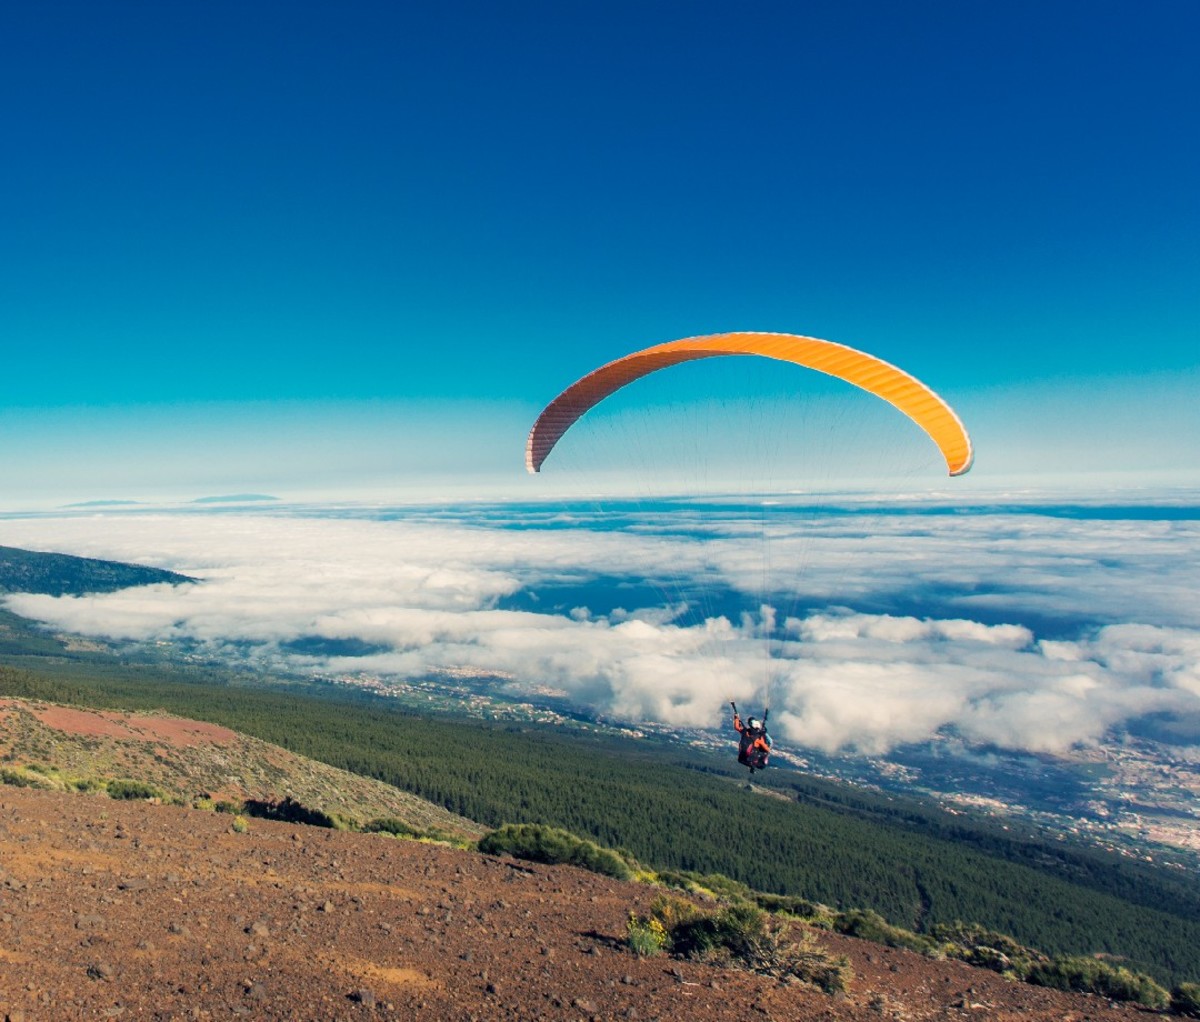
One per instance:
(104, 503)
(235, 498)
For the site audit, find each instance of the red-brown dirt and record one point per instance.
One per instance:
(99, 724)
(129, 910)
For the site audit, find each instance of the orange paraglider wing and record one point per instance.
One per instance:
(873, 375)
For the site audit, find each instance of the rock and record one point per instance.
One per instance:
(100, 971)
(259, 929)
(364, 997)
(584, 1005)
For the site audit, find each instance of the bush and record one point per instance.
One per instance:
(399, 829)
(1093, 976)
(743, 935)
(239, 825)
(20, 778)
(289, 811)
(986, 949)
(225, 806)
(390, 825)
(86, 784)
(132, 790)
(538, 843)
(731, 931)
(646, 937)
(1185, 1000)
(869, 925)
(810, 911)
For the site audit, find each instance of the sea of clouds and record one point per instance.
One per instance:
(1029, 629)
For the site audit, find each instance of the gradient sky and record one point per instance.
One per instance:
(353, 248)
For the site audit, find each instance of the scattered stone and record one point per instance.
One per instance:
(100, 970)
(364, 997)
(584, 1005)
(325, 907)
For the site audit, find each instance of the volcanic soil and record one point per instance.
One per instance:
(115, 909)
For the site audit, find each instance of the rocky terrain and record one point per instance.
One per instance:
(131, 909)
(114, 909)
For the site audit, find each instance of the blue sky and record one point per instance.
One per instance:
(354, 248)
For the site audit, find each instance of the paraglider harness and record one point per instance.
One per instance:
(755, 746)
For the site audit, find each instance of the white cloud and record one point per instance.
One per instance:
(427, 588)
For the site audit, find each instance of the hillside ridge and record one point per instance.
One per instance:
(51, 574)
(145, 911)
(54, 745)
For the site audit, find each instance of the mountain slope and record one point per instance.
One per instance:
(143, 911)
(186, 760)
(32, 571)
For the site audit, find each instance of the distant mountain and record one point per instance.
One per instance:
(32, 571)
(104, 503)
(236, 498)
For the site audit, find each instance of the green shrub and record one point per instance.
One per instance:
(869, 925)
(646, 937)
(289, 811)
(390, 825)
(810, 911)
(22, 778)
(538, 843)
(1093, 976)
(744, 935)
(240, 825)
(132, 790)
(730, 931)
(986, 949)
(399, 829)
(86, 784)
(225, 806)
(1185, 1000)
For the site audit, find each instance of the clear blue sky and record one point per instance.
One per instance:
(226, 224)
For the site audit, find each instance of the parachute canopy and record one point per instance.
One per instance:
(871, 374)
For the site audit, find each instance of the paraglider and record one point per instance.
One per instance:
(873, 375)
(869, 373)
(755, 744)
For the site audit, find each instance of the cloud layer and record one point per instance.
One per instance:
(1029, 630)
